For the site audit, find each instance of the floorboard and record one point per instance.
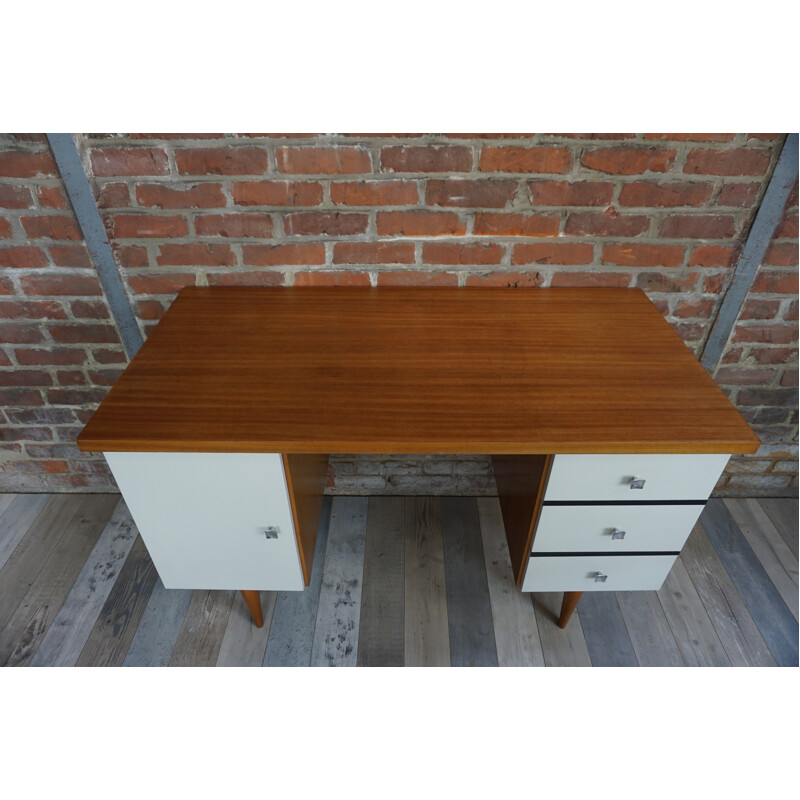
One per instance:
(203, 629)
(607, 638)
(783, 514)
(561, 647)
(651, 637)
(17, 519)
(244, 644)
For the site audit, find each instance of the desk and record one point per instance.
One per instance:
(606, 434)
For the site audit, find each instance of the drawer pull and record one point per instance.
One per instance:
(272, 532)
(618, 534)
(637, 483)
(600, 577)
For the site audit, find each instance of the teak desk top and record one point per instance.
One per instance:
(469, 370)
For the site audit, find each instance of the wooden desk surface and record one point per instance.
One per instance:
(340, 370)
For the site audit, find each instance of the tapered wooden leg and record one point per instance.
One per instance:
(254, 604)
(567, 607)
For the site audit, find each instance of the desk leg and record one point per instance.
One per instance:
(253, 601)
(567, 607)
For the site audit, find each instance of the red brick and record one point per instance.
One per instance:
(104, 377)
(766, 137)
(767, 397)
(457, 253)
(732, 356)
(692, 137)
(16, 333)
(5, 229)
(564, 193)
(426, 158)
(470, 194)
(236, 226)
(587, 135)
(373, 253)
(25, 377)
(773, 355)
(781, 255)
(52, 227)
(148, 310)
(552, 253)
(665, 195)
(419, 223)
(605, 279)
(6, 287)
(137, 226)
(51, 197)
(71, 378)
(70, 255)
(661, 282)
(5, 361)
(103, 356)
(700, 226)
(693, 309)
(689, 331)
(788, 229)
(489, 224)
(22, 164)
(374, 193)
(760, 309)
(195, 255)
(175, 135)
(712, 256)
(628, 160)
(203, 195)
(123, 161)
(509, 279)
(76, 285)
(20, 397)
(132, 256)
(22, 434)
(160, 284)
(275, 255)
(23, 257)
(338, 278)
(113, 195)
(713, 284)
(31, 309)
(790, 378)
(767, 334)
(260, 278)
(322, 160)
(525, 159)
(15, 197)
(222, 161)
(417, 278)
(277, 193)
(609, 223)
(333, 223)
(643, 255)
(75, 397)
(791, 312)
(740, 195)
(738, 161)
(736, 376)
(52, 356)
(84, 333)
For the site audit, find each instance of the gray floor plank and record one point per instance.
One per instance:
(767, 608)
(66, 637)
(427, 642)
(651, 636)
(691, 626)
(336, 630)
(783, 513)
(154, 641)
(200, 639)
(38, 608)
(244, 644)
(114, 629)
(604, 629)
(291, 632)
(17, 520)
(469, 612)
(382, 625)
(515, 630)
(735, 627)
(5, 501)
(561, 648)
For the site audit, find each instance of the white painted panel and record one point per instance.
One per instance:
(202, 517)
(573, 529)
(577, 573)
(608, 477)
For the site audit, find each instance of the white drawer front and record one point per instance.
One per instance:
(203, 516)
(571, 529)
(608, 477)
(578, 573)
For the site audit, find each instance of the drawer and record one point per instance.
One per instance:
(569, 529)
(578, 573)
(609, 477)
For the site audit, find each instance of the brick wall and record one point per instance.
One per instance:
(664, 212)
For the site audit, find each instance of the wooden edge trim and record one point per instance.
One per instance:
(295, 518)
(537, 509)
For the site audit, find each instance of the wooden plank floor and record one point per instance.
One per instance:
(396, 582)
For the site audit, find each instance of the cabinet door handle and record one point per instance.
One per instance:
(600, 577)
(637, 483)
(272, 532)
(617, 534)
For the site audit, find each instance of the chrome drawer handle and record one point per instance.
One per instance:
(272, 532)
(637, 483)
(617, 534)
(600, 577)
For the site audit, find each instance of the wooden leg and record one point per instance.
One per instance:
(254, 604)
(567, 607)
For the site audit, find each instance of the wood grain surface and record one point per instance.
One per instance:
(474, 370)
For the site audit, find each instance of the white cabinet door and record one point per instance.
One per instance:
(580, 573)
(204, 516)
